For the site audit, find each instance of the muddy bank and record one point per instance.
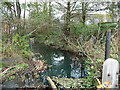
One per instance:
(24, 72)
(77, 53)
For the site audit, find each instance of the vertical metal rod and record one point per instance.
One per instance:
(107, 45)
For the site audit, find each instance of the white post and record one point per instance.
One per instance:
(110, 72)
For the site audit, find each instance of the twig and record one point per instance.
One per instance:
(32, 32)
(61, 4)
(98, 81)
(116, 31)
(52, 83)
(5, 71)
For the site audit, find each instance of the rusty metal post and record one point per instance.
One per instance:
(107, 45)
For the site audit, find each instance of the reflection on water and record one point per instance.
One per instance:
(56, 59)
(62, 65)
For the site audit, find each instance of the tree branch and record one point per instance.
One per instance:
(5, 71)
(61, 5)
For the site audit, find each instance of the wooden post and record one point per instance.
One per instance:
(107, 45)
(110, 72)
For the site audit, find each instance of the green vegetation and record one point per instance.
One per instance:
(22, 43)
(12, 73)
(18, 45)
(68, 32)
(72, 83)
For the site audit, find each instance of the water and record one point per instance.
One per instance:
(62, 63)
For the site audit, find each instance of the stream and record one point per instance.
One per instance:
(62, 63)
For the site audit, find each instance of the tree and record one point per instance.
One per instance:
(40, 16)
(12, 14)
(18, 9)
(112, 7)
(24, 17)
(84, 11)
(50, 12)
(67, 19)
(67, 10)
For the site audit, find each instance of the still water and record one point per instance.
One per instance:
(61, 62)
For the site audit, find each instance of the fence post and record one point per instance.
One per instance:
(107, 45)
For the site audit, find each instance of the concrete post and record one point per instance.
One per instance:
(111, 72)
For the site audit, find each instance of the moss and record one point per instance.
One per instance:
(22, 66)
(71, 83)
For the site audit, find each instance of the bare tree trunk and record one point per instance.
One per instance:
(45, 9)
(84, 9)
(50, 13)
(24, 10)
(14, 9)
(18, 10)
(67, 20)
(24, 14)
(11, 20)
(50, 10)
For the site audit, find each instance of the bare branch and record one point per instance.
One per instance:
(74, 5)
(5, 71)
(61, 5)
